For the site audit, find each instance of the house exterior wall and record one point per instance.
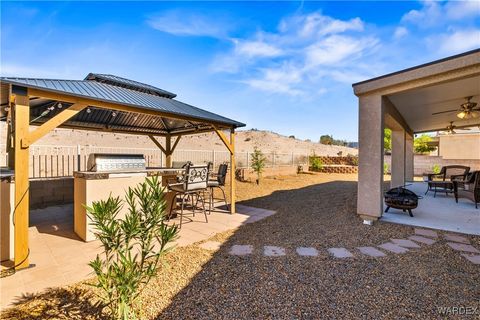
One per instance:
(460, 146)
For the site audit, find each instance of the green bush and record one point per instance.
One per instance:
(316, 163)
(385, 168)
(132, 246)
(352, 160)
(436, 169)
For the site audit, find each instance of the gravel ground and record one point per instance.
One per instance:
(312, 210)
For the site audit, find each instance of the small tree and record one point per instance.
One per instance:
(132, 246)
(420, 144)
(258, 163)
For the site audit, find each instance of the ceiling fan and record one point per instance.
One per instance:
(468, 110)
(450, 129)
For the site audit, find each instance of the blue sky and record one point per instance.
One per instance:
(281, 66)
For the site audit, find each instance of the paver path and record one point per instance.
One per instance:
(422, 237)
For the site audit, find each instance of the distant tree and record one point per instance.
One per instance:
(326, 139)
(258, 163)
(387, 140)
(420, 144)
(292, 137)
(329, 140)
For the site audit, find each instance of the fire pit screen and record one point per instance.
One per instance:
(401, 198)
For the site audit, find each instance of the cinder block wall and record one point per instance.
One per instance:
(49, 192)
(423, 164)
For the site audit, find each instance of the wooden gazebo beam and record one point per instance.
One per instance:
(231, 147)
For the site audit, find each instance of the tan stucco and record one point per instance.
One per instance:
(460, 146)
(88, 191)
(7, 192)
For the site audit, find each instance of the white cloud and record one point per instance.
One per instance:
(459, 41)
(435, 13)
(336, 49)
(256, 49)
(400, 32)
(300, 55)
(316, 24)
(188, 24)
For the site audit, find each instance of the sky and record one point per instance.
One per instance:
(283, 66)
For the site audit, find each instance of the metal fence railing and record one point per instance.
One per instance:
(62, 161)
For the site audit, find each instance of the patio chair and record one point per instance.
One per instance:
(218, 182)
(469, 188)
(194, 184)
(443, 181)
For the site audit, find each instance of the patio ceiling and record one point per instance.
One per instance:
(417, 105)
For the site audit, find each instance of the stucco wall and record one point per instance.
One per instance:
(424, 164)
(460, 146)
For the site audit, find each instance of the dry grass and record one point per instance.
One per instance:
(313, 210)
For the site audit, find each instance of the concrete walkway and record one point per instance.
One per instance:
(59, 257)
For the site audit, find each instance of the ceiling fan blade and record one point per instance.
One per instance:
(444, 112)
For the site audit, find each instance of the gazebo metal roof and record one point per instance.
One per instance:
(174, 117)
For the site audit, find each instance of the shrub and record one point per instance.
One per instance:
(436, 169)
(385, 168)
(132, 246)
(291, 137)
(258, 163)
(316, 163)
(352, 160)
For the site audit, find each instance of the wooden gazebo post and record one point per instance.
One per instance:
(232, 171)
(21, 117)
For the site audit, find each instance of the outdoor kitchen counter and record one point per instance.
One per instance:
(93, 175)
(92, 186)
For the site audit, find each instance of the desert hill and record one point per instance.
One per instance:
(245, 141)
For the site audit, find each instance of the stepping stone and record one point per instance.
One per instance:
(456, 238)
(392, 247)
(405, 243)
(340, 253)
(272, 251)
(210, 245)
(421, 239)
(371, 251)
(426, 233)
(307, 251)
(473, 259)
(463, 247)
(241, 250)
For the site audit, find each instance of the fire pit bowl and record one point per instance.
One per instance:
(401, 198)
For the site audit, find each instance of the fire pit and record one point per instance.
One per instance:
(401, 198)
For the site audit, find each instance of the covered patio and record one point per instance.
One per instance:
(98, 103)
(407, 102)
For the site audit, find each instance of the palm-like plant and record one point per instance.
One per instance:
(258, 163)
(132, 245)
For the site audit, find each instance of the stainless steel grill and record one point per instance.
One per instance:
(101, 162)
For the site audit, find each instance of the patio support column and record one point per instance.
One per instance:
(370, 176)
(232, 171)
(409, 157)
(398, 158)
(21, 155)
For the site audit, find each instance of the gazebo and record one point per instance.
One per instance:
(100, 102)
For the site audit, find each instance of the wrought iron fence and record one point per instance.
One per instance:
(61, 161)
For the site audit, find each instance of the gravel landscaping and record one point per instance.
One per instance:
(315, 212)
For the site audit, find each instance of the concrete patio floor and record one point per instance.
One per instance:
(441, 212)
(59, 257)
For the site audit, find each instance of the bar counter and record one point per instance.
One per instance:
(92, 186)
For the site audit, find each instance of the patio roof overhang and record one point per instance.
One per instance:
(99, 103)
(405, 101)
